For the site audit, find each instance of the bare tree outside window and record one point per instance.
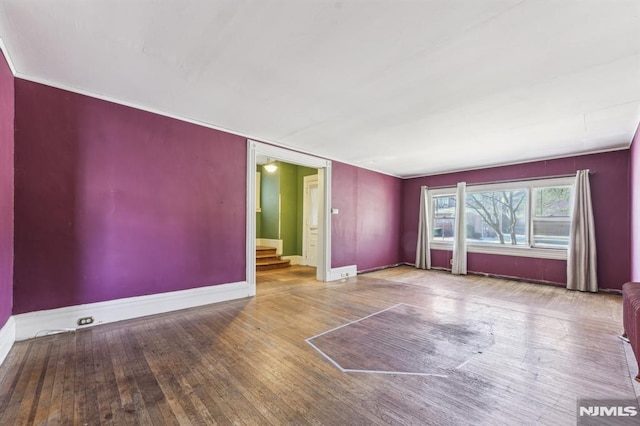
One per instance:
(503, 212)
(552, 201)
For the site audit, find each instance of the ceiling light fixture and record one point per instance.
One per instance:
(270, 167)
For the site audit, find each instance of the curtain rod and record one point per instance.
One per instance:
(510, 180)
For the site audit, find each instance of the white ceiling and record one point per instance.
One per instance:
(402, 87)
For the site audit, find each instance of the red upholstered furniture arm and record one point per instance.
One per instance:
(631, 318)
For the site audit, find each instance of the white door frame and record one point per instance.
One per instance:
(323, 271)
(305, 217)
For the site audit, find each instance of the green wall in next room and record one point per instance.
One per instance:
(283, 188)
(269, 201)
(258, 207)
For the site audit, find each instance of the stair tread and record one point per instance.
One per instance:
(264, 265)
(267, 256)
(273, 262)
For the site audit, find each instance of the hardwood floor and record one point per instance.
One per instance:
(531, 352)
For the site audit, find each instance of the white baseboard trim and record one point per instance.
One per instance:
(267, 242)
(41, 323)
(295, 259)
(7, 338)
(342, 272)
(380, 268)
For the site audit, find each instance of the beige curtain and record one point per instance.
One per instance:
(459, 266)
(581, 260)
(423, 250)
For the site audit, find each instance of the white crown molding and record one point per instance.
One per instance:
(40, 323)
(7, 57)
(111, 99)
(288, 147)
(7, 338)
(517, 163)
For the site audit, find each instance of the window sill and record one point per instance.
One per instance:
(540, 253)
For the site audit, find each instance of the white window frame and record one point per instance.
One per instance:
(508, 250)
(431, 194)
(532, 216)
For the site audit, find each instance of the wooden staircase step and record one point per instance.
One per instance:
(273, 262)
(265, 249)
(264, 265)
(267, 256)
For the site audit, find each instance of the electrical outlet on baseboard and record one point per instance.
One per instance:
(85, 321)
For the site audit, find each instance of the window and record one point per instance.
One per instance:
(497, 217)
(444, 209)
(550, 216)
(529, 218)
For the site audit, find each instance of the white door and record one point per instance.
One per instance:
(310, 209)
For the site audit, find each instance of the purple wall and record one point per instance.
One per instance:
(610, 194)
(7, 105)
(113, 202)
(366, 231)
(635, 207)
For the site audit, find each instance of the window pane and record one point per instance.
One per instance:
(498, 217)
(444, 209)
(552, 201)
(551, 221)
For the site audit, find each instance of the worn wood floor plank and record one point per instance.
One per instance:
(57, 382)
(26, 408)
(246, 362)
(41, 410)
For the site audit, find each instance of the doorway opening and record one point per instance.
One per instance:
(316, 214)
(287, 208)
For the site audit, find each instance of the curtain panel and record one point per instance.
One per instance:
(581, 259)
(423, 249)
